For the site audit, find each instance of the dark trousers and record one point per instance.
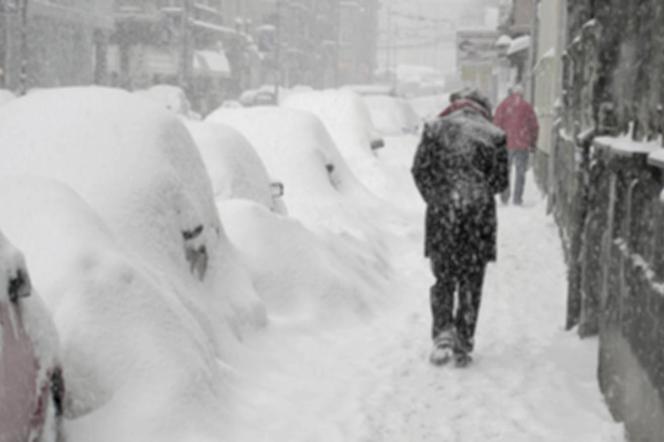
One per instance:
(465, 280)
(518, 159)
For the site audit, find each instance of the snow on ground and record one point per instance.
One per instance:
(305, 277)
(6, 96)
(531, 380)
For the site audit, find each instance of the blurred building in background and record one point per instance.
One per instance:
(171, 41)
(53, 43)
(358, 40)
(213, 49)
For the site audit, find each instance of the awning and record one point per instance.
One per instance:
(519, 44)
(211, 63)
(504, 40)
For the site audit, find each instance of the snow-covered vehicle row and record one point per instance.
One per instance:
(158, 244)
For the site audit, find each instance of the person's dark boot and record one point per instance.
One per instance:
(462, 350)
(443, 348)
(462, 359)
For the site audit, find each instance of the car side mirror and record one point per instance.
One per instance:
(19, 286)
(277, 189)
(377, 144)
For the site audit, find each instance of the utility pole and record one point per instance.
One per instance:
(5, 44)
(23, 78)
(186, 52)
(277, 53)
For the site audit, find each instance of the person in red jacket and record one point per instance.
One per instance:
(517, 118)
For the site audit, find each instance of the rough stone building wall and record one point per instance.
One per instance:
(608, 203)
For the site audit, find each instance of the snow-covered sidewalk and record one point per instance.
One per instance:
(530, 380)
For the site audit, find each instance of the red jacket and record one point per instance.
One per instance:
(517, 118)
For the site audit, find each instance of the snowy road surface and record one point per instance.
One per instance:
(530, 380)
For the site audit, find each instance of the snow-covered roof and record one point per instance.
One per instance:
(656, 157)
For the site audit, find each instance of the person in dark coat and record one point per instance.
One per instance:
(518, 119)
(460, 165)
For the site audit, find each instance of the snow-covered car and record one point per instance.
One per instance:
(31, 383)
(345, 116)
(139, 364)
(150, 271)
(172, 98)
(347, 119)
(321, 190)
(235, 168)
(392, 116)
(320, 262)
(262, 96)
(368, 90)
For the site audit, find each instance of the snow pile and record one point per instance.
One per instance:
(234, 167)
(305, 277)
(392, 116)
(137, 167)
(6, 96)
(170, 97)
(138, 364)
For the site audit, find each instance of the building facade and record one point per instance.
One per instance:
(175, 42)
(607, 184)
(549, 45)
(54, 43)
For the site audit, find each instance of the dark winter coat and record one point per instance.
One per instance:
(460, 165)
(517, 118)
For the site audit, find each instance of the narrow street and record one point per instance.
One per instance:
(530, 379)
